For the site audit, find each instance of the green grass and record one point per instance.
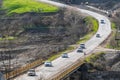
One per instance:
(113, 25)
(89, 20)
(85, 38)
(7, 38)
(23, 6)
(93, 57)
(108, 45)
(92, 21)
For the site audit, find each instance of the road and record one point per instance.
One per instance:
(60, 64)
(104, 11)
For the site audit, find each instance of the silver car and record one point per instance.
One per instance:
(64, 55)
(48, 64)
(80, 50)
(31, 72)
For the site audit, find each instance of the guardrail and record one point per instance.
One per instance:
(65, 72)
(23, 69)
(70, 69)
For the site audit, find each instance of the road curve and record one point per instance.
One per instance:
(60, 64)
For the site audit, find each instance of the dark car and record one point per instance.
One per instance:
(102, 22)
(98, 35)
(82, 46)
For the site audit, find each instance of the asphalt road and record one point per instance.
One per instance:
(60, 64)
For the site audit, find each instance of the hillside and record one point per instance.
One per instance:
(105, 65)
(28, 35)
(99, 66)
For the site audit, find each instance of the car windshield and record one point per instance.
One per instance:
(31, 70)
(48, 62)
(82, 44)
(65, 54)
(80, 48)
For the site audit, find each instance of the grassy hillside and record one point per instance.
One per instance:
(91, 21)
(22, 6)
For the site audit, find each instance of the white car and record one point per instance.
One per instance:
(31, 72)
(48, 64)
(64, 55)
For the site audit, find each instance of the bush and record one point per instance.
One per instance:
(91, 21)
(94, 57)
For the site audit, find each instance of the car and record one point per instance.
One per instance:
(98, 35)
(31, 72)
(102, 22)
(48, 64)
(80, 50)
(82, 46)
(64, 55)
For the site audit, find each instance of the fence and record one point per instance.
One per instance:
(22, 69)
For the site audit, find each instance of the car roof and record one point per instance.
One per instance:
(80, 49)
(82, 44)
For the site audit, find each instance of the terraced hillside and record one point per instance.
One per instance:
(29, 34)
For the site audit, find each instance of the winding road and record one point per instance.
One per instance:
(60, 64)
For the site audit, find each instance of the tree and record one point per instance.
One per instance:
(0, 3)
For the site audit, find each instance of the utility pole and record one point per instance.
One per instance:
(9, 56)
(9, 59)
(6, 58)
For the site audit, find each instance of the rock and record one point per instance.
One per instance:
(116, 67)
(112, 58)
